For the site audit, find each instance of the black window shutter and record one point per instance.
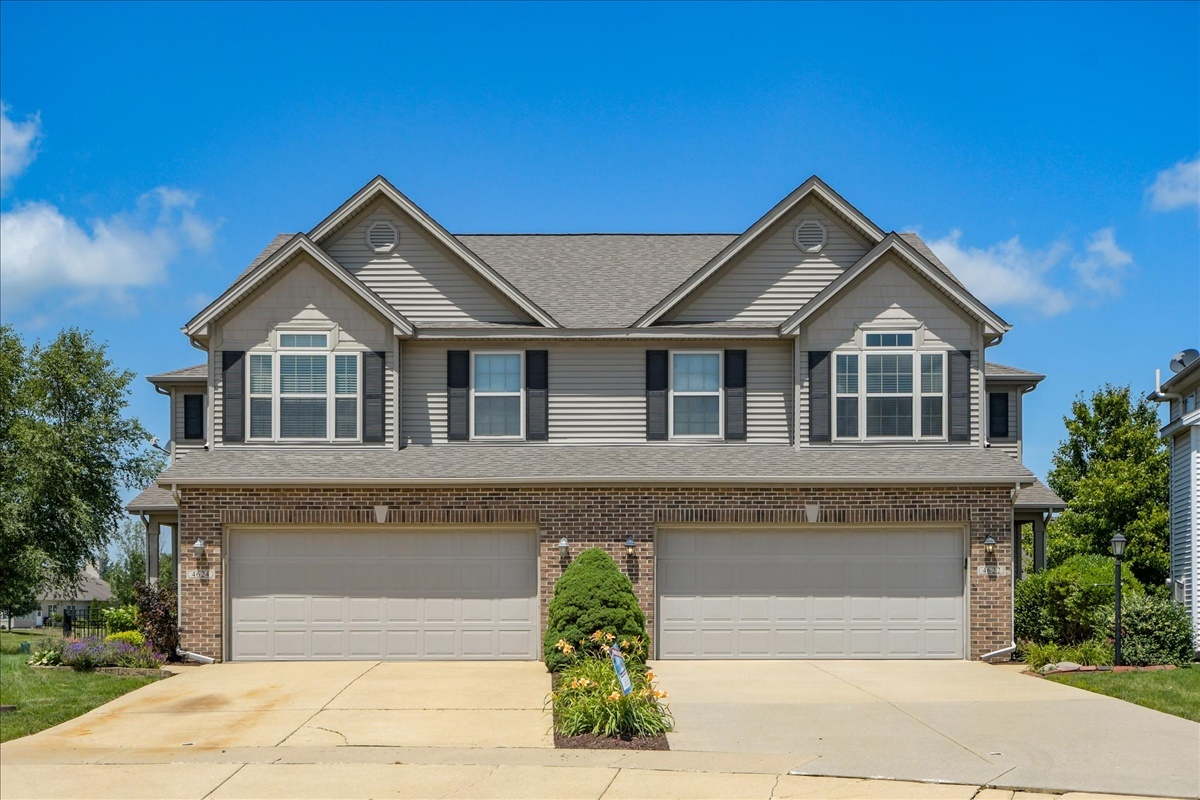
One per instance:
(998, 415)
(233, 406)
(818, 396)
(656, 395)
(458, 391)
(959, 378)
(735, 395)
(372, 395)
(537, 422)
(193, 416)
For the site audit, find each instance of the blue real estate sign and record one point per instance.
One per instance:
(622, 673)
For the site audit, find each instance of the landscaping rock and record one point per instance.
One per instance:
(1103, 668)
(1048, 668)
(1124, 669)
(1087, 669)
(1067, 666)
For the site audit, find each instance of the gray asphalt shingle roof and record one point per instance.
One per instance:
(994, 370)
(199, 372)
(1039, 496)
(551, 465)
(152, 498)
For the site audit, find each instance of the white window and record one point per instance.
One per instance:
(290, 391)
(889, 390)
(497, 395)
(695, 389)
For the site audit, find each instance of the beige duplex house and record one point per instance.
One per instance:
(791, 439)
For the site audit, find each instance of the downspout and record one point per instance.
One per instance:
(1159, 395)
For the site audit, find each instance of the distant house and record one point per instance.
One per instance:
(1182, 433)
(91, 589)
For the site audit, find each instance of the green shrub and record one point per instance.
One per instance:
(48, 652)
(1092, 653)
(120, 619)
(1070, 603)
(592, 595)
(1154, 630)
(588, 697)
(156, 618)
(131, 637)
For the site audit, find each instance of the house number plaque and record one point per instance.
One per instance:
(991, 569)
(201, 574)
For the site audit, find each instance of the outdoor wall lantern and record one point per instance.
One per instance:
(989, 544)
(629, 545)
(812, 511)
(1118, 550)
(564, 547)
(198, 549)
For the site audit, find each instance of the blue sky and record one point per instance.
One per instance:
(1047, 151)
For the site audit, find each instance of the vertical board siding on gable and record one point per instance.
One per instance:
(891, 293)
(597, 392)
(773, 281)
(1183, 486)
(417, 278)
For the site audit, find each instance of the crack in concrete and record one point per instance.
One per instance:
(304, 724)
(345, 741)
(610, 783)
(459, 789)
(222, 783)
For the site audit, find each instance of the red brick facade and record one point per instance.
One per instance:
(597, 516)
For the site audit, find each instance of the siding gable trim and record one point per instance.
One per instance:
(251, 281)
(892, 243)
(814, 186)
(380, 186)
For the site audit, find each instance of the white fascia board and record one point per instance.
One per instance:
(812, 186)
(381, 186)
(599, 480)
(893, 243)
(299, 243)
(598, 333)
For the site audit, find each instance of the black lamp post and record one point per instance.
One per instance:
(1118, 550)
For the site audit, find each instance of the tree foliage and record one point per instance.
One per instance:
(67, 449)
(127, 564)
(1114, 473)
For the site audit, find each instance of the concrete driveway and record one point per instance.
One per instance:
(954, 721)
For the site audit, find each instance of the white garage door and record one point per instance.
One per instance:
(402, 594)
(789, 593)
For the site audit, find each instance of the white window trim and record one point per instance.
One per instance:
(474, 393)
(861, 351)
(720, 393)
(330, 354)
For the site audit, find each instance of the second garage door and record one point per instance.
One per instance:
(368, 594)
(806, 593)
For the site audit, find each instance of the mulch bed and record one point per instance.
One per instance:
(594, 741)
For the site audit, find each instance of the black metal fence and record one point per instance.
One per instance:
(85, 625)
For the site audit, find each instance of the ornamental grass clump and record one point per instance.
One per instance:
(588, 696)
(592, 595)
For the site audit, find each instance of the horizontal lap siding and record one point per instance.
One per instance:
(1011, 444)
(1183, 487)
(418, 278)
(597, 392)
(773, 281)
(177, 412)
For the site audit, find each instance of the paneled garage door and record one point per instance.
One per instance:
(807, 593)
(368, 594)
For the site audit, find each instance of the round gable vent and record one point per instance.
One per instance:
(810, 235)
(382, 236)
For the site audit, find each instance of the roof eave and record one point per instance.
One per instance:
(380, 185)
(606, 480)
(814, 185)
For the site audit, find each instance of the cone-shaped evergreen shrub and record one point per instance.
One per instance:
(592, 595)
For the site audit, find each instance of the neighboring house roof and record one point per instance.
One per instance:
(153, 498)
(196, 374)
(1039, 496)
(1183, 376)
(597, 280)
(994, 371)
(895, 244)
(91, 587)
(298, 244)
(611, 465)
(380, 187)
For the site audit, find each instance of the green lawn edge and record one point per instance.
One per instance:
(1175, 691)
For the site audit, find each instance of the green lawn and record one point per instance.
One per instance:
(44, 698)
(1175, 691)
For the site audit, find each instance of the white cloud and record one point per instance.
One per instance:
(46, 251)
(1009, 273)
(18, 145)
(1006, 273)
(1176, 187)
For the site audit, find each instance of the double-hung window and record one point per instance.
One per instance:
(497, 398)
(889, 390)
(695, 383)
(290, 391)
